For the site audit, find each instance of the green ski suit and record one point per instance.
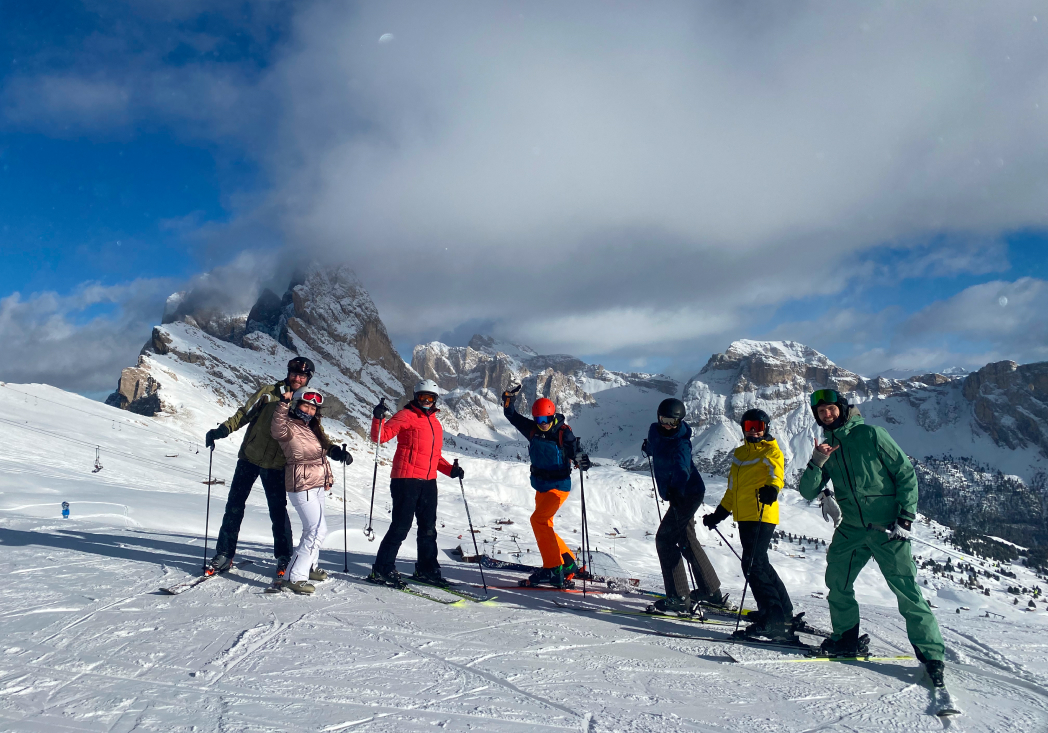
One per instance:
(874, 484)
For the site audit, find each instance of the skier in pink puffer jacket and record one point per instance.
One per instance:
(307, 479)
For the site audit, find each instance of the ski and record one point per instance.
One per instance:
(174, 590)
(645, 614)
(592, 591)
(899, 658)
(419, 594)
(799, 646)
(945, 705)
(455, 590)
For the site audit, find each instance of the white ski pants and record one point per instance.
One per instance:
(310, 508)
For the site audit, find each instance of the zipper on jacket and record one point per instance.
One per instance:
(851, 482)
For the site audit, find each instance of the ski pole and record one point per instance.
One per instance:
(587, 556)
(480, 560)
(727, 543)
(207, 515)
(368, 531)
(345, 531)
(658, 506)
(746, 575)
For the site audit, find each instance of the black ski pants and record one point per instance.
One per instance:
(276, 496)
(413, 498)
(675, 539)
(768, 591)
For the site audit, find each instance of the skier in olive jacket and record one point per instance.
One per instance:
(872, 504)
(261, 455)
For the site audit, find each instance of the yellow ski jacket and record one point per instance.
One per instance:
(754, 465)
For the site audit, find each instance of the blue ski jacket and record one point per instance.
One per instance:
(551, 452)
(675, 471)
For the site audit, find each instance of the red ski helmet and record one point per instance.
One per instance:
(543, 407)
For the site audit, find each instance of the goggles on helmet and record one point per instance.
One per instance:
(314, 397)
(669, 422)
(425, 398)
(753, 426)
(544, 419)
(828, 396)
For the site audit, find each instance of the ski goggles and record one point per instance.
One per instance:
(669, 422)
(753, 426)
(314, 397)
(425, 398)
(829, 396)
(544, 420)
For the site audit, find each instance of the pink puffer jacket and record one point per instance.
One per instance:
(419, 440)
(307, 466)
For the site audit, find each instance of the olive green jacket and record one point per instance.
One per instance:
(259, 447)
(873, 480)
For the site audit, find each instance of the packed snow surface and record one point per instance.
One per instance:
(88, 644)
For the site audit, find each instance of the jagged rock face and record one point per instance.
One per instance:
(777, 377)
(325, 315)
(194, 310)
(475, 375)
(1010, 403)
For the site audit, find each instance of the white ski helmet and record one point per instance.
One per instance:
(307, 394)
(428, 385)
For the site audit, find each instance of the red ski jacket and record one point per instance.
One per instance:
(419, 440)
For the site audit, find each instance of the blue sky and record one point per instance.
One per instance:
(635, 188)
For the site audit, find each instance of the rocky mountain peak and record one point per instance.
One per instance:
(1010, 403)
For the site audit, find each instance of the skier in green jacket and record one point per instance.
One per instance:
(872, 506)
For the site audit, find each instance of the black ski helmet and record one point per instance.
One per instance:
(756, 414)
(672, 407)
(301, 365)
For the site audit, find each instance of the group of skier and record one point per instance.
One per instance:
(871, 505)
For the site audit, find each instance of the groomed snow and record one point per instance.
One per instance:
(87, 644)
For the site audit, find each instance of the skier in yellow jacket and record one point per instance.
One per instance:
(754, 483)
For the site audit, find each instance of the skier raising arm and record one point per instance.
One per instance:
(875, 488)
(552, 448)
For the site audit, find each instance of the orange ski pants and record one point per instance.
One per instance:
(551, 545)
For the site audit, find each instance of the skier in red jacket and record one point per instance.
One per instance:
(413, 484)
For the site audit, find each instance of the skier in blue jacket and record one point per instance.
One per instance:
(679, 483)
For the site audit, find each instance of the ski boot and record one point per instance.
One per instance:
(716, 599)
(672, 605)
(800, 626)
(571, 568)
(850, 644)
(318, 574)
(390, 578)
(302, 587)
(430, 577)
(280, 576)
(936, 670)
(546, 576)
(219, 564)
(767, 628)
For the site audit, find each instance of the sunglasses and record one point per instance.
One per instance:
(425, 399)
(670, 422)
(753, 426)
(828, 396)
(315, 397)
(544, 419)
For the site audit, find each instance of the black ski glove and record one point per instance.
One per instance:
(340, 454)
(719, 515)
(900, 531)
(768, 495)
(456, 470)
(381, 411)
(584, 462)
(510, 396)
(217, 434)
(644, 448)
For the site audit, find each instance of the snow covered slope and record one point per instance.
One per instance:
(86, 644)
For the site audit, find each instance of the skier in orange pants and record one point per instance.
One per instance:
(553, 449)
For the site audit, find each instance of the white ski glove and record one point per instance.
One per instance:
(831, 510)
(900, 530)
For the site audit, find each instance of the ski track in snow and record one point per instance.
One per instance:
(87, 643)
